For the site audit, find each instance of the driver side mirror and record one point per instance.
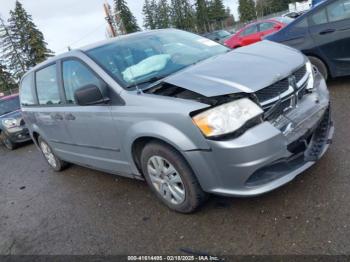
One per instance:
(89, 95)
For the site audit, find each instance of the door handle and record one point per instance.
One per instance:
(327, 31)
(70, 117)
(56, 116)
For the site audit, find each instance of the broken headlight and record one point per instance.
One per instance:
(227, 118)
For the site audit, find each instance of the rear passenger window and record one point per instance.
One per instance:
(47, 86)
(266, 26)
(76, 75)
(26, 95)
(250, 30)
(339, 10)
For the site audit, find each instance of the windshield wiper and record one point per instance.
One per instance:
(150, 80)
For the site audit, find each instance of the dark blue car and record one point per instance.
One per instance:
(323, 34)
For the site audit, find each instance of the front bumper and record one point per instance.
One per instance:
(18, 134)
(265, 158)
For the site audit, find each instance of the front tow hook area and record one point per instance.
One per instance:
(320, 139)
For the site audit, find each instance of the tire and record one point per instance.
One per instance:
(175, 185)
(321, 67)
(54, 162)
(7, 142)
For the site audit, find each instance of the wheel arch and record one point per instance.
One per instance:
(142, 133)
(138, 146)
(35, 136)
(329, 71)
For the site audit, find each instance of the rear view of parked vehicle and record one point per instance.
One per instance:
(12, 127)
(161, 106)
(323, 34)
(255, 32)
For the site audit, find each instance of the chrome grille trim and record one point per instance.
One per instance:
(287, 93)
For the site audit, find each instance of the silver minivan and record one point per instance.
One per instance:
(182, 112)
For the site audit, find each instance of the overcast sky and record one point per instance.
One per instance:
(75, 23)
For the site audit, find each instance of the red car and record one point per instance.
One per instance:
(255, 32)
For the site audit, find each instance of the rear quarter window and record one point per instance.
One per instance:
(26, 94)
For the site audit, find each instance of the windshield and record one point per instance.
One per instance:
(223, 33)
(9, 105)
(144, 58)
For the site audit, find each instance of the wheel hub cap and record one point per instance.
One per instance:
(166, 180)
(48, 154)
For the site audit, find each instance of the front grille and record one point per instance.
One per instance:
(300, 73)
(282, 96)
(273, 90)
(280, 87)
(278, 109)
(302, 92)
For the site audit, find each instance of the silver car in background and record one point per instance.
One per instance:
(182, 112)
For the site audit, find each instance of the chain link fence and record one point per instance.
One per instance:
(240, 25)
(9, 92)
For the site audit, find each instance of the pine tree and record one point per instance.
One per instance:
(29, 38)
(10, 51)
(217, 13)
(230, 20)
(247, 10)
(128, 20)
(266, 7)
(202, 10)
(182, 15)
(149, 10)
(23, 45)
(6, 80)
(163, 14)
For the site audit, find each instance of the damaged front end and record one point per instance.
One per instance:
(293, 131)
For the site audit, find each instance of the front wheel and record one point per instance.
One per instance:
(54, 162)
(7, 141)
(171, 178)
(321, 67)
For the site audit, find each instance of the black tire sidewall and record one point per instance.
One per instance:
(192, 189)
(321, 67)
(7, 142)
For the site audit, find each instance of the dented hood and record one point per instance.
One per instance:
(246, 69)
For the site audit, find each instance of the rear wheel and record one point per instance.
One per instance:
(7, 141)
(54, 162)
(171, 178)
(321, 67)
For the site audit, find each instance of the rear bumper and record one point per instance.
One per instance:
(264, 158)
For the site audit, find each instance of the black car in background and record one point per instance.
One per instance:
(218, 36)
(323, 34)
(12, 127)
